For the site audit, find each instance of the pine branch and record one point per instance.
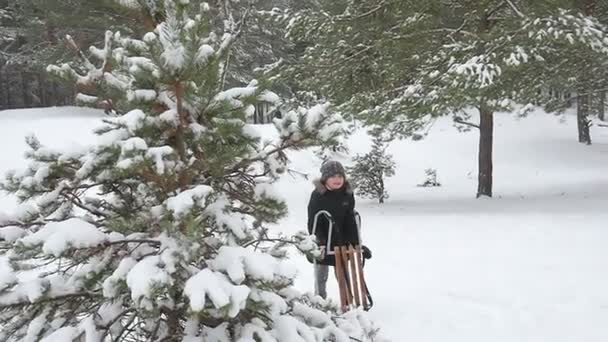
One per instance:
(349, 58)
(461, 121)
(74, 199)
(293, 172)
(495, 9)
(275, 240)
(460, 29)
(263, 156)
(372, 11)
(155, 330)
(24, 319)
(53, 299)
(515, 9)
(27, 225)
(156, 243)
(124, 329)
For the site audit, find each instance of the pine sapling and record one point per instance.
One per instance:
(370, 170)
(431, 179)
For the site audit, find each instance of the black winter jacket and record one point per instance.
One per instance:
(341, 205)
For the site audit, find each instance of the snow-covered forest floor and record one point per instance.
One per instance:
(528, 265)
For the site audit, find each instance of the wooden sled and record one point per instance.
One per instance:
(351, 278)
(348, 262)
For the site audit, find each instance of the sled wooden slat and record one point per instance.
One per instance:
(348, 282)
(355, 274)
(361, 276)
(340, 276)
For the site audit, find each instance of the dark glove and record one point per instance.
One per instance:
(367, 253)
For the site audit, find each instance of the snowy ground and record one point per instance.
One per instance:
(529, 265)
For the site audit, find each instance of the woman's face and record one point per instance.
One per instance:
(334, 182)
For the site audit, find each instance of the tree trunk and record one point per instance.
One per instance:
(7, 86)
(583, 107)
(601, 112)
(486, 142)
(381, 197)
(26, 103)
(3, 102)
(583, 123)
(42, 89)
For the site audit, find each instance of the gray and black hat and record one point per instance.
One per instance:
(331, 168)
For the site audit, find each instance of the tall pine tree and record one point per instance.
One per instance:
(158, 231)
(398, 64)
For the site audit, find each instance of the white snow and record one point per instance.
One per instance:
(134, 144)
(528, 265)
(142, 95)
(158, 154)
(146, 276)
(174, 53)
(32, 289)
(7, 276)
(232, 221)
(170, 116)
(185, 200)
(11, 233)
(24, 210)
(56, 237)
(89, 327)
(269, 96)
(132, 120)
(236, 92)
(288, 328)
(36, 326)
(50, 126)
(479, 69)
(218, 288)
(84, 98)
(62, 335)
(205, 52)
(239, 262)
(149, 37)
(111, 283)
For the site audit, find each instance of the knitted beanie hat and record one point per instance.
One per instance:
(331, 168)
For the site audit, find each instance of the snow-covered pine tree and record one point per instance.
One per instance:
(591, 81)
(371, 169)
(158, 231)
(431, 179)
(397, 64)
(253, 47)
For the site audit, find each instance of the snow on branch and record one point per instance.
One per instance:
(56, 237)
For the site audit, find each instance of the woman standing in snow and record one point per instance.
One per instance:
(333, 194)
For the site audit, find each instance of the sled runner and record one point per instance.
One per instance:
(348, 261)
